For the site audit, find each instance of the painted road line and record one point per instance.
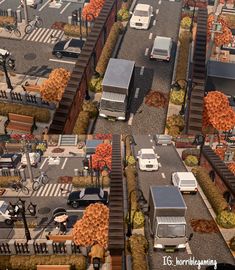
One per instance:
(44, 161)
(142, 70)
(39, 34)
(159, 2)
(188, 249)
(36, 34)
(57, 36)
(149, 135)
(146, 51)
(17, 7)
(150, 35)
(154, 22)
(151, 140)
(4, 1)
(48, 38)
(44, 35)
(62, 61)
(54, 187)
(65, 8)
(43, 6)
(130, 119)
(160, 165)
(163, 175)
(48, 189)
(64, 163)
(57, 191)
(40, 190)
(137, 90)
(157, 10)
(153, 147)
(36, 192)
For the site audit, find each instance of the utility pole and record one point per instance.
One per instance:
(26, 17)
(26, 152)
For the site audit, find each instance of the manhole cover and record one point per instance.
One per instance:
(44, 210)
(30, 56)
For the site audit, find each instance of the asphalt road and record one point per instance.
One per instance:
(157, 75)
(202, 246)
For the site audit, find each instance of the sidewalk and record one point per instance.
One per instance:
(8, 35)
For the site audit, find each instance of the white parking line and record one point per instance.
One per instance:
(62, 61)
(150, 35)
(153, 147)
(149, 135)
(159, 2)
(154, 22)
(130, 119)
(157, 10)
(188, 249)
(43, 163)
(163, 175)
(64, 163)
(160, 165)
(142, 70)
(17, 7)
(146, 51)
(42, 7)
(137, 90)
(2, 1)
(65, 8)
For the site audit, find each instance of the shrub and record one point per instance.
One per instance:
(212, 193)
(123, 14)
(95, 84)
(7, 20)
(82, 123)
(232, 243)
(58, 25)
(226, 219)
(85, 181)
(5, 181)
(175, 124)
(186, 22)
(40, 114)
(91, 108)
(74, 30)
(130, 173)
(131, 160)
(192, 152)
(191, 161)
(177, 97)
(5, 262)
(108, 48)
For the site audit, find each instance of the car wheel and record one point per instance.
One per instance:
(75, 204)
(9, 221)
(58, 55)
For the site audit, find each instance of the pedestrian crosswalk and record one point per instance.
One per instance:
(44, 35)
(53, 190)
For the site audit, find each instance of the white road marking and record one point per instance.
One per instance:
(64, 163)
(149, 135)
(130, 119)
(157, 10)
(57, 191)
(146, 51)
(142, 70)
(48, 38)
(163, 175)
(160, 165)
(17, 7)
(137, 90)
(44, 161)
(65, 8)
(151, 140)
(39, 34)
(44, 35)
(188, 249)
(48, 189)
(159, 2)
(71, 211)
(150, 35)
(154, 22)
(43, 6)
(4, 1)
(62, 61)
(153, 147)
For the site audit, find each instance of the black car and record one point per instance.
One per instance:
(9, 160)
(87, 196)
(70, 48)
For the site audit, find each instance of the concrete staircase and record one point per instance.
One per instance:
(68, 140)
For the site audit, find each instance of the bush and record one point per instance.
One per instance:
(212, 193)
(108, 48)
(130, 173)
(226, 219)
(30, 262)
(190, 152)
(5, 181)
(186, 22)
(40, 114)
(74, 30)
(5, 262)
(123, 14)
(177, 97)
(175, 124)
(7, 20)
(82, 123)
(85, 181)
(95, 84)
(191, 161)
(131, 160)
(91, 108)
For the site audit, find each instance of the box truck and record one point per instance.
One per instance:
(167, 223)
(117, 85)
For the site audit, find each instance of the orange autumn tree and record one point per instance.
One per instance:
(103, 154)
(217, 113)
(93, 8)
(220, 38)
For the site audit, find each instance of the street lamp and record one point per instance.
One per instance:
(199, 140)
(20, 209)
(105, 167)
(141, 201)
(26, 148)
(132, 142)
(4, 61)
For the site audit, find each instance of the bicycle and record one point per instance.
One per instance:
(12, 28)
(35, 23)
(40, 181)
(19, 186)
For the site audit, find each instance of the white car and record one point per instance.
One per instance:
(34, 159)
(162, 48)
(185, 181)
(4, 213)
(147, 160)
(4, 52)
(141, 16)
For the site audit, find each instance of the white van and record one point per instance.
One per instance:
(185, 181)
(161, 48)
(33, 3)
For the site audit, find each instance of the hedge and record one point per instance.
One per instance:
(192, 152)
(108, 48)
(74, 30)
(85, 181)
(212, 193)
(40, 114)
(7, 20)
(5, 181)
(82, 123)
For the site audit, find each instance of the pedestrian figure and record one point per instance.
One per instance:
(63, 227)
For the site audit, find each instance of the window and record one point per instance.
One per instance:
(141, 13)
(148, 156)
(82, 193)
(101, 193)
(171, 231)
(160, 52)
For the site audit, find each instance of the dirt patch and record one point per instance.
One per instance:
(204, 226)
(156, 99)
(58, 150)
(58, 25)
(65, 179)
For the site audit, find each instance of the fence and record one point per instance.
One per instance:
(8, 12)
(25, 98)
(13, 172)
(40, 247)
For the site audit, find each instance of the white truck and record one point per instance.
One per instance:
(117, 85)
(167, 222)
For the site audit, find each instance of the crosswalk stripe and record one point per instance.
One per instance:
(39, 191)
(57, 191)
(43, 36)
(40, 33)
(42, 190)
(31, 34)
(52, 190)
(55, 34)
(49, 36)
(48, 190)
(34, 38)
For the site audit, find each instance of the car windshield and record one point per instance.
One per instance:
(160, 52)
(148, 156)
(141, 13)
(82, 192)
(3, 207)
(67, 44)
(171, 231)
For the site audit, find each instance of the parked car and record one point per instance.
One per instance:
(161, 48)
(86, 196)
(32, 3)
(162, 139)
(141, 16)
(4, 213)
(186, 182)
(9, 160)
(34, 157)
(70, 48)
(147, 160)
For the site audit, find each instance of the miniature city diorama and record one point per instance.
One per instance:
(117, 202)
